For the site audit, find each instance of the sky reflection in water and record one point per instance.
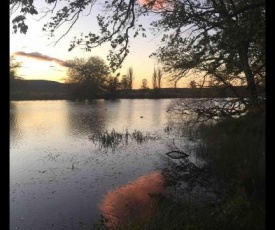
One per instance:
(58, 176)
(132, 201)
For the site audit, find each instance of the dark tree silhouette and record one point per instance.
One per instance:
(193, 84)
(124, 82)
(159, 78)
(144, 84)
(111, 86)
(89, 76)
(130, 76)
(154, 79)
(14, 66)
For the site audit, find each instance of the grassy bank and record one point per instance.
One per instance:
(234, 152)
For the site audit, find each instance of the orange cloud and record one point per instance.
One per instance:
(41, 57)
(132, 202)
(155, 4)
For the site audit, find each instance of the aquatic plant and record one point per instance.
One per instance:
(113, 139)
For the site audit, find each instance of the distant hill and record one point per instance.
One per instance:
(38, 85)
(38, 90)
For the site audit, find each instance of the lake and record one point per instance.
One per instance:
(62, 177)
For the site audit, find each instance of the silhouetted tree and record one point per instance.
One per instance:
(14, 66)
(124, 82)
(144, 84)
(111, 87)
(223, 40)
(89, 76)
(130, 76)
(193, 84)
(154, 79)
(127, 79)
(159, 78)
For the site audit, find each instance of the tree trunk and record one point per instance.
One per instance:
(251, 86)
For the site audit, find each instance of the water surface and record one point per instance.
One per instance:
(59, 177)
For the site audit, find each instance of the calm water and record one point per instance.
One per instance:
(61, 179)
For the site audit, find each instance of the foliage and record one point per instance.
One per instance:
(89, 76)
(203, 109)
(235, 213)
(124, 82)
(231, 165)
(14, 66)
(154, 79)
(26, 7)
(144, 84)
(193, 84)
(233, 168)
(219, 40)
(127, 79)
(236, 152)
(111, 86)
(157, 78)
(130, 76)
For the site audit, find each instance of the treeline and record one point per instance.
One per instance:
(51, 90)
(210, 92)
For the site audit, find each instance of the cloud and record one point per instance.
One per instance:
(41, 57)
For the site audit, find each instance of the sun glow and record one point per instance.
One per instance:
(39, 70)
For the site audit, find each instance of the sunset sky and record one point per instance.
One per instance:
(41, 59)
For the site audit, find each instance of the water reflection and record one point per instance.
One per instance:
(86, 118)
(35, 123)
(57, 173)
(98, 116)
(157, 116)
(14, 126)
(132, 201)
